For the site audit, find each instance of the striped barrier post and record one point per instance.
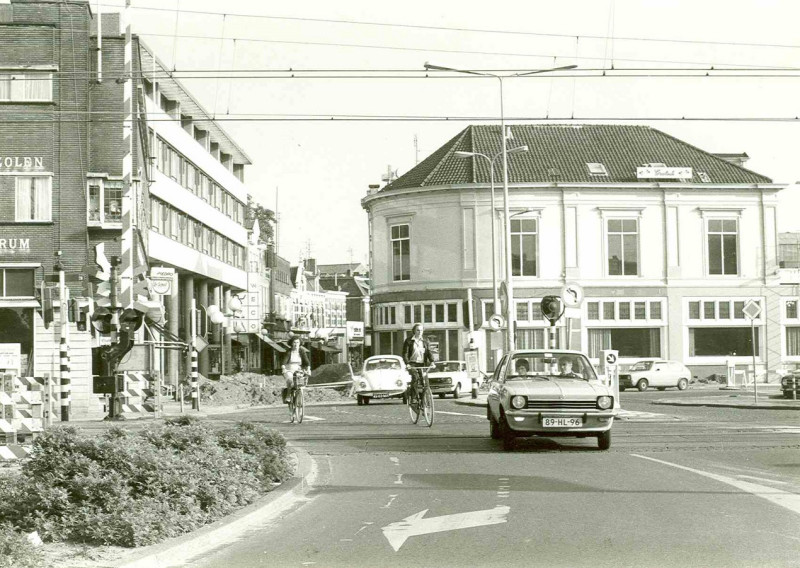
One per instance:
(64, 366)
(195, 384)
(126, 242)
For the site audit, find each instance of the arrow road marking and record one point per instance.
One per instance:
(415, 525)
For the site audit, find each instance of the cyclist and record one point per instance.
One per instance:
(416, 354)
(294, 359)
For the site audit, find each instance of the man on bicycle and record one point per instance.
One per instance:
(416, 354)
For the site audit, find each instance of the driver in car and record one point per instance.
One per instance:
(522, 368)
(565, 368)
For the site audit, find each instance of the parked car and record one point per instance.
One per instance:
(448, 377)
(660, 374)
(549, 393)
(382, 376)
(791, 383)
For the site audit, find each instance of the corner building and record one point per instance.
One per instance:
(667, 241)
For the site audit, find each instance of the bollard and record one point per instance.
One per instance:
(793, 383)
(474, 387)
(195, 383)
(180, 396)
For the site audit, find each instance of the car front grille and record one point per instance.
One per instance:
(440, 381)
(562, 404)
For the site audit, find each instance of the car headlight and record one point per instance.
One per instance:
(604, 402)
(363, 384)
(518, 402)
(399, 382)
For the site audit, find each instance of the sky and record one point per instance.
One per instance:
(315, 172)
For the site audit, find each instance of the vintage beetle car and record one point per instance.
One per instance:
(448, 377)
(557, 394)
(790, 385)
(657, 373)
(382, 376)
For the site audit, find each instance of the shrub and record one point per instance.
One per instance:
(136, 489)
(16, 551)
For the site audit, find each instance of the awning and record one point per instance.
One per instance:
(327, 349)
(19, 303)
(276, 346)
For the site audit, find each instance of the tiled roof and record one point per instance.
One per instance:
(340, 268)
(560, 153)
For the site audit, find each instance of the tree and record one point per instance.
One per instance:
(265, 217)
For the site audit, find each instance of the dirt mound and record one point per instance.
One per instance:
(254, 389)
(333, 373)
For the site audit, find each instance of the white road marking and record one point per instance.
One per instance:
(762, 479)
(306, 418)
(783, 499)
(399, 480)
(394, 460)
(391, 500)
(415, 525)
(460, 414)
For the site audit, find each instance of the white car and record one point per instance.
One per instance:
(660, 374)
(448, 377)
(382, 376)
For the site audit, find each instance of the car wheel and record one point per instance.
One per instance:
(441, 395)
(642, 385)
(604, 440)
(506, 434)
(683, 384)
(457, 391)
(359, 400)
(494, 428)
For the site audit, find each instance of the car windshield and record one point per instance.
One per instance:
(641, 366)
(445, 367)
(547, 366)
(380, 364)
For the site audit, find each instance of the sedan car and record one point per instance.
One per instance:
(659, 374)
(540, 392)
(448, 377)
(382, 376)
(790, 385)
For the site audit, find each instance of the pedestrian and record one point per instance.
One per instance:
(294, 360)
(416, 353)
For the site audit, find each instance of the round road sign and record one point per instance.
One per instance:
(572, 294)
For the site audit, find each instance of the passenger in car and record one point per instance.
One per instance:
(565, 368)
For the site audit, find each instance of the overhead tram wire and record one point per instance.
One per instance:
(461, 29)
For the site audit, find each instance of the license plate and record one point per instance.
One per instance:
(382, 395)
(553, 422)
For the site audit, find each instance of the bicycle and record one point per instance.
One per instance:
(296, 398)
(419, 396)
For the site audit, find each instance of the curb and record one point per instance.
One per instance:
(726, 404)
(180, 549)
(472, 401)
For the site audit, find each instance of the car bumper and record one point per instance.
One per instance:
(381, 393)
(531, 422)
(436, 389)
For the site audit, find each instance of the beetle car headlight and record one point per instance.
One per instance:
(399, 382)
(604, 402)
(518, 402)
(363, 384)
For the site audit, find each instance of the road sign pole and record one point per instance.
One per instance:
(753, 339)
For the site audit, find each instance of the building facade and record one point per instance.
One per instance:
(666, 241)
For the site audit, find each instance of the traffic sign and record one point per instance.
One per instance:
(752, 309)
(572, 294)
(611, 358)
(161, 280)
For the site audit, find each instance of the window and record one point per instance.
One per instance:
(452, 316)
(793, 341)
(608, 310)
(29, 87)
(623, 247)
(721, 341)
(407, 313)
(439, 313)
(791, 309)
(33, 198)
(104, 202)
(401, 256)
(630, 342)
(522, 311)
(624, 310)
(524, 233)
(722, 247)
(593, 310)
(17, 282)
(597, 169)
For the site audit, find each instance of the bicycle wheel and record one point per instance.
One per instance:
(299, 406)
(291, 406)
(427, 406)
(413, 406)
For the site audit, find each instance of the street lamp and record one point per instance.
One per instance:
(510, 308)
(462, 154)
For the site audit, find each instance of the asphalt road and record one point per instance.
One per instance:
(680, 486)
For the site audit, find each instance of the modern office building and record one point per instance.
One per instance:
(667, 242)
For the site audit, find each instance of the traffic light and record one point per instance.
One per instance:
(79, 312)
(101, 319)
(130, 320)
(47, 306)
(552, 308)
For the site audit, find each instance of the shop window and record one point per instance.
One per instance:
(33, 198)
(721, 341)
(16, 282)
(630, 342)
(793, 341)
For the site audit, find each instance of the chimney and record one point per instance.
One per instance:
(311, 265)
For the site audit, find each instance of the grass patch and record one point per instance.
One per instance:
(134, 489)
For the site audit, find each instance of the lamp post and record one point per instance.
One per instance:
(510, 308)
(460, 154)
